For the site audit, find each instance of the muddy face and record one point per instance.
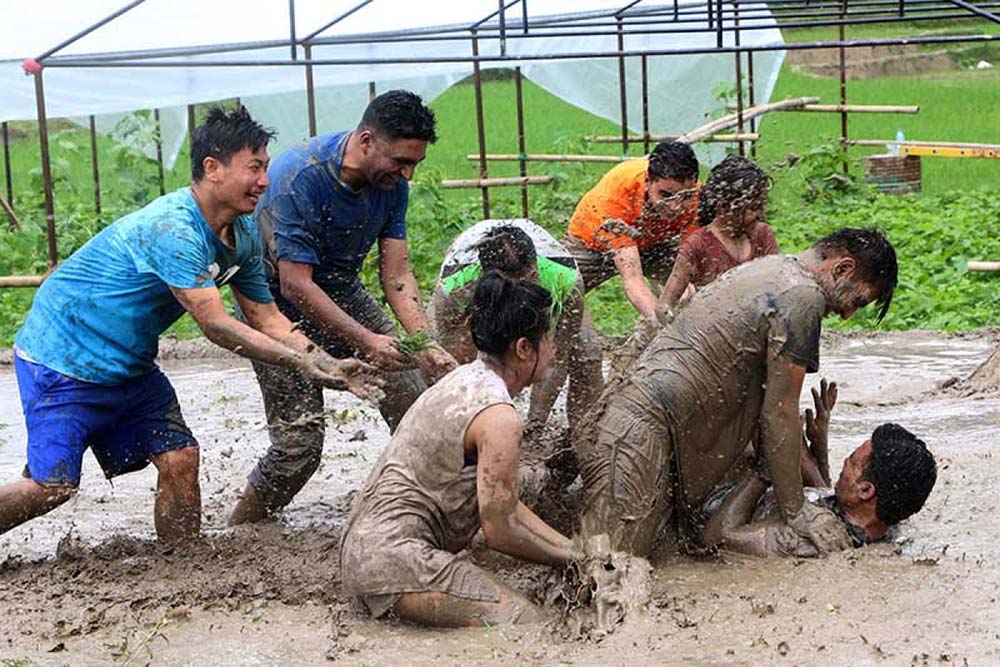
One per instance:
(666, 197)
(851, 487)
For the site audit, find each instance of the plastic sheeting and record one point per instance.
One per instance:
(682, 89)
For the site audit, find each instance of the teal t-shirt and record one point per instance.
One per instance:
(99, 316)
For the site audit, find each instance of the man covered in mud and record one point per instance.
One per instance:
(85, 357)
(631, 222)
(885, 480)
(451, 469)
(728, 369)
(521, 249)
(330, 200)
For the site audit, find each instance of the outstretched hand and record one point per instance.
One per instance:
(354, 375)
(818, 424)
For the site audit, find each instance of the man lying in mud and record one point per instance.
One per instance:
(451, 469)
(85, 357)
(729, 366)
(521, 249)
(885, 480)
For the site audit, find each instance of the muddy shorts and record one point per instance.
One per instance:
(125, 425)
(378, 569)
(597, 267)
(627, 482)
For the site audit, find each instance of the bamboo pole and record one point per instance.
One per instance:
(851, 108)
(21, 281)
(497, 182)
(539, 157)
(929, 144)
(716, 138)
(15, 224)
(726, 122)
(984, 266)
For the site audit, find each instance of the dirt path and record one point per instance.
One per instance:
(271, 595)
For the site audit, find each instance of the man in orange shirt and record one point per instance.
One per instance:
(631, 222)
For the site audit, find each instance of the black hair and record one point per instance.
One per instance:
(734, 183)
(507, 249)
(672, 159)
(222, 135)
(902, 470)
(399, 114)
(874, 255)
(506, 309)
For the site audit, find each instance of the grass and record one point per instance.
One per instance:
(937, 230)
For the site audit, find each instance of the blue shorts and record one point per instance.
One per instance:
(125, 425)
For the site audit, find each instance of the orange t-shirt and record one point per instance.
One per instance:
(620, 195)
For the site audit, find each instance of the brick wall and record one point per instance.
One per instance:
(893, 174)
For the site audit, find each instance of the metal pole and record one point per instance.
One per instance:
(739, 78)
(718, 25)
(95, 169)
(371, 91)
(159, 153)
(524, 16)
(6, 164)
(621, 87)
(645, 106)
(843, 93)
(522, 164)
(310, 93)
(480, 124)
(86, 31)
(43, 143)
(753, 100)
(291, 30)
(503, 28)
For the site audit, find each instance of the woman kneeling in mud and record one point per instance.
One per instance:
(451, 469)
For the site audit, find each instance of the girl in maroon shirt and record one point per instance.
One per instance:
(731, 212)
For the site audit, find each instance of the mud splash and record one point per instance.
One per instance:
(271, 594)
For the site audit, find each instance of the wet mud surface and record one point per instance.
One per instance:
(87, 585)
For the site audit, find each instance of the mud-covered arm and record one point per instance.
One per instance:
(680, 278)
(276, 343)
(781, 435)
(629, 266)
(298, 286)
(817, 430)
(401, 292)
(509, 526)
(544, 395)
(729, 526)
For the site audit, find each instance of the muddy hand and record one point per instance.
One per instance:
(820, 527)
(350, 374)
(383, 353)
(362, 380)
(818, 422)
(435, 363)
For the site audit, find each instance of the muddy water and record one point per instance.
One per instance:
(270, 595)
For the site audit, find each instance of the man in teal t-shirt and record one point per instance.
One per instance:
(522, 249)
(85, 357)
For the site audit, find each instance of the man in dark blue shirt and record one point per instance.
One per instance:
(329, 201)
